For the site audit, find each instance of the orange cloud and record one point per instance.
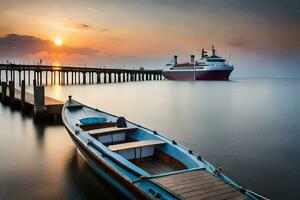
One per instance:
(14, 45)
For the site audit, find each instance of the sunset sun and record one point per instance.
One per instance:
(58, 42)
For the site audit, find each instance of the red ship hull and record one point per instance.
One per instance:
(221, 75)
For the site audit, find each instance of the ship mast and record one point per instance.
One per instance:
(213, 50)
(194, 69)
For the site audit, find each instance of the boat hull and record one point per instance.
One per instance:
(221, 75)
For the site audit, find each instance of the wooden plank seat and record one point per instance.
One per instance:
(110, 131)
(134, 145)
(132, 149)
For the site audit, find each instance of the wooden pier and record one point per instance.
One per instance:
(67, 75)
(43, 108)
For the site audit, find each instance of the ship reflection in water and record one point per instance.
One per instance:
(245, 126)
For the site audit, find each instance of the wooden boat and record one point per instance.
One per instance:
(142, 163)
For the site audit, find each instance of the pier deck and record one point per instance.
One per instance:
(43, 108)
(68, 75)
(199, 184)
(29, 98)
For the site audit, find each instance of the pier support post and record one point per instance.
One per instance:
(19, 77)
(98, 78)
(59, 77)
(109, 77)
(34, 83)
(51, 77)
(77, 74)
(34, 77)
(37, 78)
(46, 77)
(54, 73)
(6, 75)
(12, 100)
(28, 77)
(11, 90)
(3, 91)
(105, 78)
(134, 77)
(25, 108)
(84, 78)
(23, 92)
(24, 77)
(72, 75)
(41, 78)
(39, 103)
(119, 78)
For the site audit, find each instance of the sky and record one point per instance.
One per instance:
(263, 36)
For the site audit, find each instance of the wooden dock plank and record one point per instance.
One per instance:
(199, 184)
(29, 98)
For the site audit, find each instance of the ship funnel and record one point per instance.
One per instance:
(192, 58)
(175, 60)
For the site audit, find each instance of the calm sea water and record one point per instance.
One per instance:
(250, 127)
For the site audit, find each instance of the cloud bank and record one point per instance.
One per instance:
(15, 45)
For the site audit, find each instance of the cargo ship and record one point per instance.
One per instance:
(206, 68)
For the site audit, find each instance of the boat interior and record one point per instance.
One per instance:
(143, 149)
